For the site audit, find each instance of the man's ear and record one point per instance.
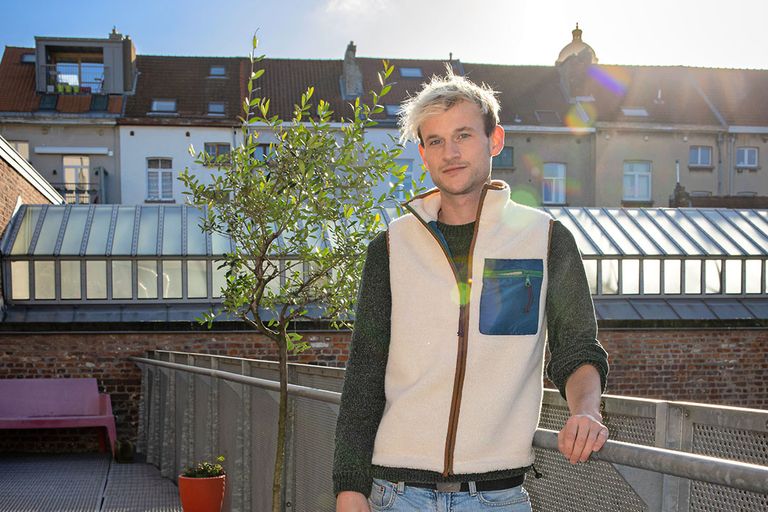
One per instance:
(497, 140)
(421, 152)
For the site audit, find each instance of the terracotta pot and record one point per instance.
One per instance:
(202, 494)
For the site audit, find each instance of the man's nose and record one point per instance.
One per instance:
(451, 150)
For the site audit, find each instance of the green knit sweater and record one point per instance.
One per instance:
(572, 342)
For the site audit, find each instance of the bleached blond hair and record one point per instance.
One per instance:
(439, 95)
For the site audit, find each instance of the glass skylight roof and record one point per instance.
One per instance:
(155, 253)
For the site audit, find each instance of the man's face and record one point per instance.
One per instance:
(456, 151)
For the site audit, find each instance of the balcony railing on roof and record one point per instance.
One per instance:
(75, 77)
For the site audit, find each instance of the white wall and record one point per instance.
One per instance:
(165, 142)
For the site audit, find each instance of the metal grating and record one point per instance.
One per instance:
(139, 488)
(562, 485)
(73, 483)
(728, 443)
(83, 482)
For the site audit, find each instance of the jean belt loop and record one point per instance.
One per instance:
(472, 488)
(400, 488)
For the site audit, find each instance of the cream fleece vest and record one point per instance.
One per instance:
(464, 394)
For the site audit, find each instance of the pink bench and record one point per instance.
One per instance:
(56, 403)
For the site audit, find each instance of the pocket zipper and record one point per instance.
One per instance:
(514, 273)
(528, 274)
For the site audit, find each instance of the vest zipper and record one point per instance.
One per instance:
(461, 356)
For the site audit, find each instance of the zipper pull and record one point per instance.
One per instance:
(536, 473)
(527, 281)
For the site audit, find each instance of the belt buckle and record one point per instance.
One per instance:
(448, 486)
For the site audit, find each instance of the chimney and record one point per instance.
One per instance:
(352, 79)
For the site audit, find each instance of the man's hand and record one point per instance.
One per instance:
(581, 435)
(351, 501)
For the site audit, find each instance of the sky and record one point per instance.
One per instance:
(709, 33)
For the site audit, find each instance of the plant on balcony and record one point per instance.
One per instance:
(296, 198)
(201, 486)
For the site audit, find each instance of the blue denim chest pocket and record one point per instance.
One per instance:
(509, 301)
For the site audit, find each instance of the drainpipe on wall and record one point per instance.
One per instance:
(719, 144)
(731, 163)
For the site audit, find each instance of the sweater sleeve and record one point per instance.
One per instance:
(363, 399)
(571, 324)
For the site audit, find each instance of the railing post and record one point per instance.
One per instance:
(168, 446)
(155, 414)
(243, 485)
(671, 434)
(187, 451)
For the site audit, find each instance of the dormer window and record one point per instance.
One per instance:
(548, 117)
(216, 108)
(411, 72)
(217, 71)
(28, 58)
(634, 111)
(164, 106)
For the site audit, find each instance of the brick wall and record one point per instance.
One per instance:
(12, 185)
(725, 366)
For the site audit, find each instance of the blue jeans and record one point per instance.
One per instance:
(397, 497)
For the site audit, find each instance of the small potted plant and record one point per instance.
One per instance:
(201, 487)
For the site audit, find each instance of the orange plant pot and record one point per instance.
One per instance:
(202, 494)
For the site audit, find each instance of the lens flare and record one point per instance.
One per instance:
(615, 80)
(581, 115)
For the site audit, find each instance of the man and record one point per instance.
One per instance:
(444, 384)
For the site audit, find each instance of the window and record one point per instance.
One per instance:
(746, 158)
(48, 102)
(21, 147)
(700, 156)
(392, 110)
(505, 159)
(28, 58)
(637, 181)
(634, 111)
(159, 179)
(410, 72)
(217, 149)
(77, 179)
(216, 108)
(403, 189)
(548, 117)
(553, 184)
(164, 106)
(99, 102)
(218, 71)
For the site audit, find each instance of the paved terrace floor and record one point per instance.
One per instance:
(90, 482)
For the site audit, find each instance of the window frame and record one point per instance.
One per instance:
(213, 113)
(554, 181)
(157, 102)
(161, 171)
(635, 174)
(745, 150)
(223, 73)
(698, 164)
(411, 72)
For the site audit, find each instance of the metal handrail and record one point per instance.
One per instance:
(735, 474)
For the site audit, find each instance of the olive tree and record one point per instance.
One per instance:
(300, 215)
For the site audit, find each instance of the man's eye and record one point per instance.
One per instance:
(463, 136)
(435, 142)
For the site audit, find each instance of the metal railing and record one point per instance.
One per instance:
(75, 77)
(662, 455)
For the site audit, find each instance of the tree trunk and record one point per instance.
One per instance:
(277, 481)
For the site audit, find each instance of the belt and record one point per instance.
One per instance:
(486, 485)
